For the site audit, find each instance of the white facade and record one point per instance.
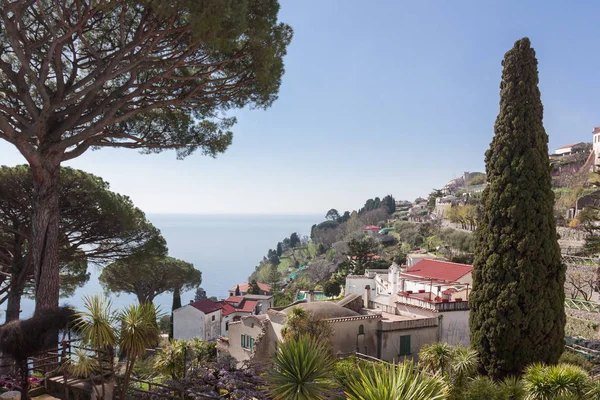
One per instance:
(455, 327)
(596, 147)
(189, 322)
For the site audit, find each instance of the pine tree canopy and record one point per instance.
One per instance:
(517, 304)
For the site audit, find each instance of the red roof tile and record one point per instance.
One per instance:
(436, 269)
(248, 306)
(227, 309)
(596, 129)
(207, 306)
(244, 287)
(234, 299)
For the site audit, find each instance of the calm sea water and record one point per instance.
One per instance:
(226, 248)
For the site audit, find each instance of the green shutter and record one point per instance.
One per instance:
(404, 345)
(243, 341)
(251, 343)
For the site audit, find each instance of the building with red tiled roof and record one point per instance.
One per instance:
(244, 287)
(207, 306)
(440, 270)
(435, 287)
(208, 319)
(371, 229)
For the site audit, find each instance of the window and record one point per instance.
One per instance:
(361, 330)
(226, 326)
(247, 342)
(213, 317)
(404, 345)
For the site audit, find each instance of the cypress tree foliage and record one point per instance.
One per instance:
(517, 304)
(176, 305)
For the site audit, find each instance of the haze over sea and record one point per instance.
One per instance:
(226, 248)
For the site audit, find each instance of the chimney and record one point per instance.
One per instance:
(311, 296)
(367, 296)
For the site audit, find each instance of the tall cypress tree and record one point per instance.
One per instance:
(517, 304)
(176, 305)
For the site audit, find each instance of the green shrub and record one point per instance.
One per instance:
(480, 388)
(569, 357)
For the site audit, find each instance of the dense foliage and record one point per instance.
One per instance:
(517, 303)
(85, 74)
(96, 226)
(147, 277)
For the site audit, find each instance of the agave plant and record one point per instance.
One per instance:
(139, 331)
(554, 382)
(302, 371)
(392, 382)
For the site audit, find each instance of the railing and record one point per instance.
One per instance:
(578, 261)
(143, 389)
(582, 305)
(589, 354)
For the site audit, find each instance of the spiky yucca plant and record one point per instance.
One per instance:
(303, 370)
(95, 323)
(139, 331)
(436, 357)
(556, 382)
(392, 382)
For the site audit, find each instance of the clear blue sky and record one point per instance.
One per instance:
(378, 97)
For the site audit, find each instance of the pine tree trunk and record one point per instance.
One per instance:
(13, 305)
(45, 225)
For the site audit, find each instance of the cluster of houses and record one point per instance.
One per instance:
(388, 314)
(578, 158)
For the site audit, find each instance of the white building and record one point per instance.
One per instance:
(201, 319)
(208, 320)
(430, 288)
(596, 147)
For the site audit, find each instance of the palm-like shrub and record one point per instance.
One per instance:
(95, 323)
(556, 382)
(392, 382)
(455, 364)
(512, 388)
(302, 370)
(464, 363)
(436, 357)
(201, 352)
(139, 331)
(480, 388)
(594, 391)
(170, 361)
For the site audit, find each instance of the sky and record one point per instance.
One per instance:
(386, 97)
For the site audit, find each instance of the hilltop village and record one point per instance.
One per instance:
(391, 277)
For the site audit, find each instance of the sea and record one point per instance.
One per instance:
(226, 248)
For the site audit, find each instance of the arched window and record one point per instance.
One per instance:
(361, 330)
